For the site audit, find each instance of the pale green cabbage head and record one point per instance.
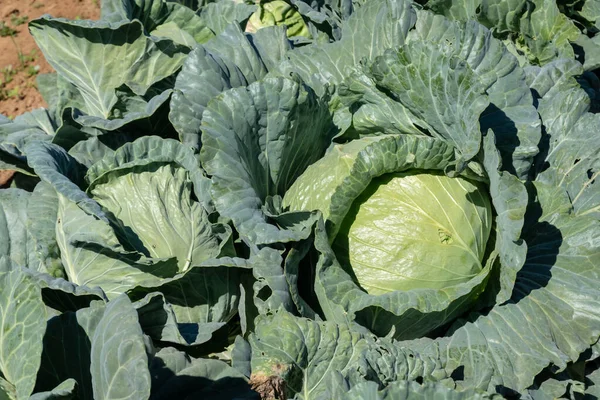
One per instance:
(414, 230)
(405, 236)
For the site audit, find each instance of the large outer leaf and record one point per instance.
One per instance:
(159, 321)
(373, 111)
(547, 32)
(203, 299)
(462, 10)
(177, 375)
(131, 113)
(14, 238)
(588, 51)
(268, 270)
(157, 16)
(56, 167)
(271, 43)
(98, 57)
(447, 99)
(160, 217)
(572, 151)
(305, 354)
(591, 12)
(373, 28)
(59, 93)
(256, 141)
(593, 380)
(541, 31)
(254, 60)
(230, 60)
(510, 200)
(326, 16)
(118, 359)
(35, 121)
(62, 295)
(15, 135)
(47, 86)
(22, 327)
(219, 15)
(152, 150)
(67, 350)
(41, 224)
(88, 152)
(511, 114)
(503, 15)
(407, 390)
(93, 256)
(66, 390)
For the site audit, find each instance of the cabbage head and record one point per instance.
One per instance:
(404, 237)
(413, 230)
(136, 220)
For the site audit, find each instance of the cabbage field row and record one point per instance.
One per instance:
(306, 199)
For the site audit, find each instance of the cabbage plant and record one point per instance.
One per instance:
(306, 199)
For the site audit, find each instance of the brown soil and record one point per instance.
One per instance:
(20, 94)
(5, 178)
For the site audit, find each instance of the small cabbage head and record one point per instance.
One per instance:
(275, 13)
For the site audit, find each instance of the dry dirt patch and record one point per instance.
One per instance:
(20, 59)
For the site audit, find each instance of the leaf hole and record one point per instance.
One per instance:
(264, 293)
(445, 237)
(458, 374)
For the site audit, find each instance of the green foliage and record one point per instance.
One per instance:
(6, 30)
(17, 20)
(380, 199)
